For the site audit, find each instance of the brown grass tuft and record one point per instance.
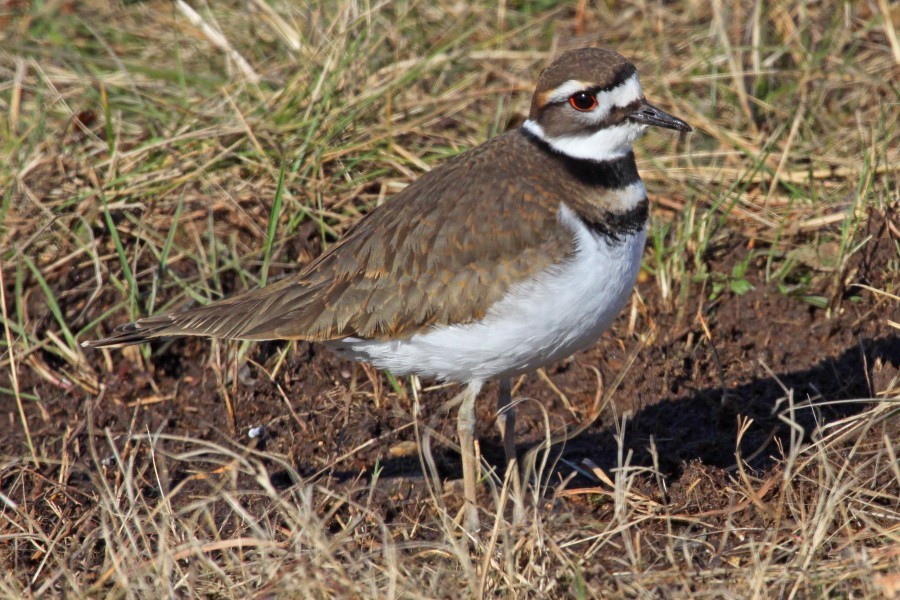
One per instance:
(142, 146)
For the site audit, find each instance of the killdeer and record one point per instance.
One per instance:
(506, 258)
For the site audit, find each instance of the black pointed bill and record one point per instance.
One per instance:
(648, 114)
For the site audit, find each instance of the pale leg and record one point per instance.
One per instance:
(506, 419)
(466, 429)
(506, 422)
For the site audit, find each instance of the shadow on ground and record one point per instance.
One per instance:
(704, 425)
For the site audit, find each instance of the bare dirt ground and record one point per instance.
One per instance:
(733, 436)
(708, 384)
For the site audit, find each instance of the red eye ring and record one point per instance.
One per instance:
(583, 101)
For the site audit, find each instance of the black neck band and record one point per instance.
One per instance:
(612, 174)
(615, 227)
(607, 174)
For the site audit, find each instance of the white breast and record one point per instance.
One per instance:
(538, 322)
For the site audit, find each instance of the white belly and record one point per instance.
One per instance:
(538, 322)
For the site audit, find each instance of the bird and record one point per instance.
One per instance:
(503, 259)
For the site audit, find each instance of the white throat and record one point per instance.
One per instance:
(606, 144)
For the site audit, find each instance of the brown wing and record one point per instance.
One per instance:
(440, 252)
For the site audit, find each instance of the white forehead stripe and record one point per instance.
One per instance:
(562, 93)
(622, 95)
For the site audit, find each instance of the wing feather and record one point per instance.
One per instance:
(424, 258)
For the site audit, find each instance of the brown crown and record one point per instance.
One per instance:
(604, 69)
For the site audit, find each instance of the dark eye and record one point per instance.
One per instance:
(583, 101)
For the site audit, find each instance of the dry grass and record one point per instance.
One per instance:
(153, 153)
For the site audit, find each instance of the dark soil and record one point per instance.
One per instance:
(687, 392)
